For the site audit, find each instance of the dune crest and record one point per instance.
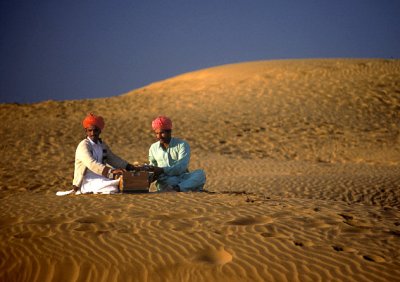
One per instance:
(324, 110)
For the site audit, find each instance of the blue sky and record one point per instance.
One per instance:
(63, 50)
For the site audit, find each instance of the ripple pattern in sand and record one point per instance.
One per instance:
(222, 236)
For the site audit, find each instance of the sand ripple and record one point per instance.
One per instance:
(222, 236)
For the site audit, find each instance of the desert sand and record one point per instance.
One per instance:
(303, 179)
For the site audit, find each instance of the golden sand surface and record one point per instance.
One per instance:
(303, 179)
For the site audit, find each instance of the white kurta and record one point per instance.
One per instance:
(95, 183)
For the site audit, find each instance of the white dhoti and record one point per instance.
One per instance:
(95, 183)
(98, 184)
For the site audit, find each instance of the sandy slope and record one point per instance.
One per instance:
(302, 162)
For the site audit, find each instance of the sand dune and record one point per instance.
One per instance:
(302, 160)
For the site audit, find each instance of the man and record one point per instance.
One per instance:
(91, 175)
(170, 157)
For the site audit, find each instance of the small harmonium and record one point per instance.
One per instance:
(135, 182)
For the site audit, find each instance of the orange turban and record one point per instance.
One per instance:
(92, 119)
(162, 122)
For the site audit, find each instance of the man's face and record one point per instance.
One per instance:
(164, 136)
(93, 132)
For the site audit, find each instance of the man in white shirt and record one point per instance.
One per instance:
(91, 173)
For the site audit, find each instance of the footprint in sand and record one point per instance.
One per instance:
(303, 244)
(346, 217)
(24, 235)
(85, 228)
(394, 233)
(184, 225)
(374, 258)
(216, 257)
(250, 220)
(338, 248)
(274, 235)
(95, 219)
(88, 222)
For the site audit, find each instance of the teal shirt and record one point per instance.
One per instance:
(174, 160)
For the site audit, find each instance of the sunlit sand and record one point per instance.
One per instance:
(303, 174)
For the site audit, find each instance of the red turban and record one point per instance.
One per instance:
(92, 119)
(162, 122)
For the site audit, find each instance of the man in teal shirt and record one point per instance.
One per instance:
(170, 157)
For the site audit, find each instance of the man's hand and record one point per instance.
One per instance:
(130, 167)
(157, 171)
(117, 171)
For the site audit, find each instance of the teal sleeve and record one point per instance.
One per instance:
(181, 165)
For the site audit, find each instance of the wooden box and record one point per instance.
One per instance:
(135, 182)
